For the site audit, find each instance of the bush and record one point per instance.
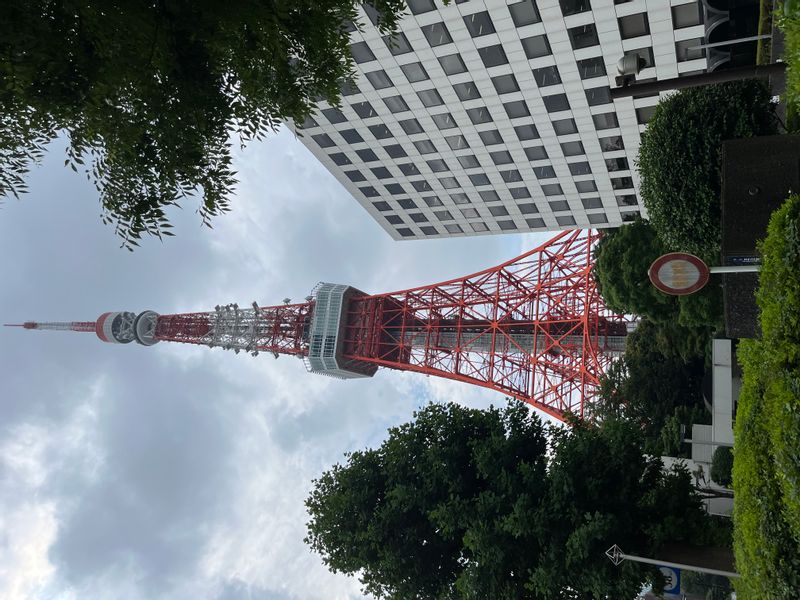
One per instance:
(679, 158)
(722, 466)
(766, 469)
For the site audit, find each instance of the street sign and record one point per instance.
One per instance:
(678, 273)
(672, 580)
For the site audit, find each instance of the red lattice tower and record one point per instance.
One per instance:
(534, 328)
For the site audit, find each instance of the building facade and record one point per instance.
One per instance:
(486, 117)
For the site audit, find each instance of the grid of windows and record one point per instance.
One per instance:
(460, 123)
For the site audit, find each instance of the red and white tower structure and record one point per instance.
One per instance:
(534, 328)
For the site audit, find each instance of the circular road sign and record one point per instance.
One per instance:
(678, 273)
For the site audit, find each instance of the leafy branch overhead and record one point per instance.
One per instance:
(149, 94)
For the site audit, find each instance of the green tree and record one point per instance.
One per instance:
(622, 260)
(462, 503)
(680, 158)
(149, 93)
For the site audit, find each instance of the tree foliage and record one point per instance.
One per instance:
(722, 466)
(462, 503)
(680, 158)
(149, 93)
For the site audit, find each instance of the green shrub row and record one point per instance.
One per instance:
(766, 471)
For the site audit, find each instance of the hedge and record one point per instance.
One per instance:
(722, 466)
(679, 158)
(766, 469)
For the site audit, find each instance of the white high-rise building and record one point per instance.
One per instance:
(487, 117)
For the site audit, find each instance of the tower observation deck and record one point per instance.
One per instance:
(534, 328)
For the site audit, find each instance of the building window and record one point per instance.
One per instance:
(380, 131)
(466, 91)
(397, 44)
(411, 126)
(605, 121)
(597, 218)
(456, 142)
(414, 72)
(547, 76)
(340, 159)
(449, 183)
(468, 161)
(379, 79)
(381, 206)
(524, 13)
(479, 115)
(580, 168)
(526, 132)
(405, 232)
(364, 110)
(633, 26)
(479, 24)
(505, 84)
(517, 109)
(586, 187)
(369, 191)
(421, 186)
(429, 230)
(489, 196)
(686, 15)
(395, 104)
(498, 211)
(394, 219)
(536, 46)
(511, 176)
(382, 173)
(644, 114)
(507, 225)
(622, 183)
(395, 151)
(361, 52)
(546, 172)
(469, 213)
(418, 218)
(565, 127)
(437, 165)
(433, 201)
(453, 228)
(408, 169)
(355, 176)
(348, 87)
(479, 179)
(491, 137)
(566, 221)
(452, 64)
(501, 157)
(553, 189)
(572, 148)
(462, 198)
(591, 67)
(535, 223)
(395, 189)
(598, 96)
(425, 147)
(437, 34)
(627, 200)
(520, 193)
(367, 155)
(590, 203)
(479, 227)
(430, 98)
(418, 7)
(617, 164)
(583, 36)
(536, 153)
(646, 54)
(687, 50)
(528, 208)
(323, 140)
(493, 56)
(556, 102)
(559, 206)
(407, 203)
(611, 143)
(572, 7)
(334, 115)
(351, 136)
(308, 123)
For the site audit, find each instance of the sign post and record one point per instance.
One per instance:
(681, 274)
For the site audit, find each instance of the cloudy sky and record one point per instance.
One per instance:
(180, 472)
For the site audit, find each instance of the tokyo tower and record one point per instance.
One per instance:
(534, 328)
